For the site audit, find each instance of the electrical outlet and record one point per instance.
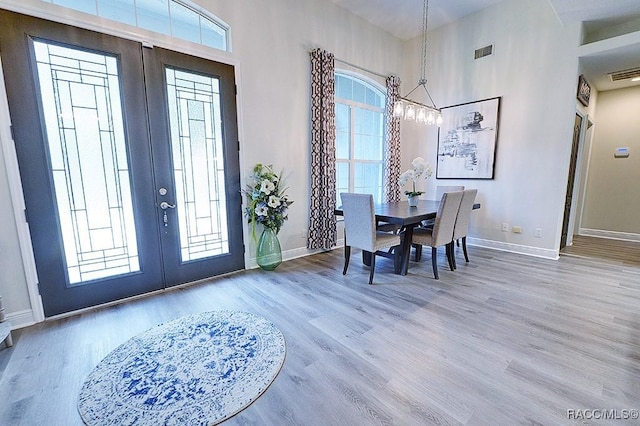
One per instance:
(505, 227)
(538, 233)
(517, 229)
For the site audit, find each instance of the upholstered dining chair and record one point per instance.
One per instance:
(442, 232)
(441, 189)
(360, 231)
(461, 226)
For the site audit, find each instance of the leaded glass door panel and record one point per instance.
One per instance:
(89, 163)
(192, 104)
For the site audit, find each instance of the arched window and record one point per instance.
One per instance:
(177, 18)
(360, 108)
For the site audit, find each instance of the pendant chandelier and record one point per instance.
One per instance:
(415, 111)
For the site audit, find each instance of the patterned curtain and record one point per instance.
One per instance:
(322, 221)
(392, 146)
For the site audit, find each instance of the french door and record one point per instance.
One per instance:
(128, 159)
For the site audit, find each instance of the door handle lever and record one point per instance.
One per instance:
(164, 205)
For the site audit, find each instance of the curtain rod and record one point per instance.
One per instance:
(361, 68)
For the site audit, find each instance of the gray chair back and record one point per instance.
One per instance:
(441, 189)
(464, 213)
(446, 218)
(359, 221)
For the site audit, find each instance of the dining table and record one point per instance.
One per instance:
(407, 218)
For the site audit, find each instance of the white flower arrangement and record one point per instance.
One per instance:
(267, 203)
(419, 169)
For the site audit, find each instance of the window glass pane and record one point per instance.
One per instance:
(368, 180)
(343, 130)
(212, 34)
(359, 147)
(344, 87)
(196, 145)
(80, 94)
(374, 99)
(185, 23)
(359, 92)
(342, 146)
(118, 10)
(153, 15)
(368, 129)
(87, 6)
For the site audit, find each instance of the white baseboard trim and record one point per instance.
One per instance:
(21, 319)
(515, 248)
(490, 244)
(294, 254)
(613, 235)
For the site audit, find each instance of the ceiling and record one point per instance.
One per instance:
(403, 19)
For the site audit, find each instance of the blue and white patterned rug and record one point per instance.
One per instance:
(196, 370)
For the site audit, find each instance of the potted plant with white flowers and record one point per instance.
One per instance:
(267, 205)
(419, 169)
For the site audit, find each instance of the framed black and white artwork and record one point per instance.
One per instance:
(467, 140)
(584, 91)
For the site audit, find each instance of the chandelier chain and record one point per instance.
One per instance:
(425, 15)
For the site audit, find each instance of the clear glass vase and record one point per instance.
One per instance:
(269, 253)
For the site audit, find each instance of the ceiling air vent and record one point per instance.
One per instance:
(483, 51)
(624, 74)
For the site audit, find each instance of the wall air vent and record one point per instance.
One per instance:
(483, 51)
(624, 74)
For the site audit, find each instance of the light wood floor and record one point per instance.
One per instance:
(504, 340)
(616, 251)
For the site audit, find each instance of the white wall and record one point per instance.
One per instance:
(271, 41)
(534, 70)
(15, 297)
(612, 198)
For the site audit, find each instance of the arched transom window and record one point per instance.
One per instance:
(176, 18)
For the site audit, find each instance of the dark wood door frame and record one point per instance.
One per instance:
(573, 162)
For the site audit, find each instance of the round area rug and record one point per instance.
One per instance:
(196, 370)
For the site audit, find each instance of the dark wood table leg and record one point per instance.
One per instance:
(407, 236)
